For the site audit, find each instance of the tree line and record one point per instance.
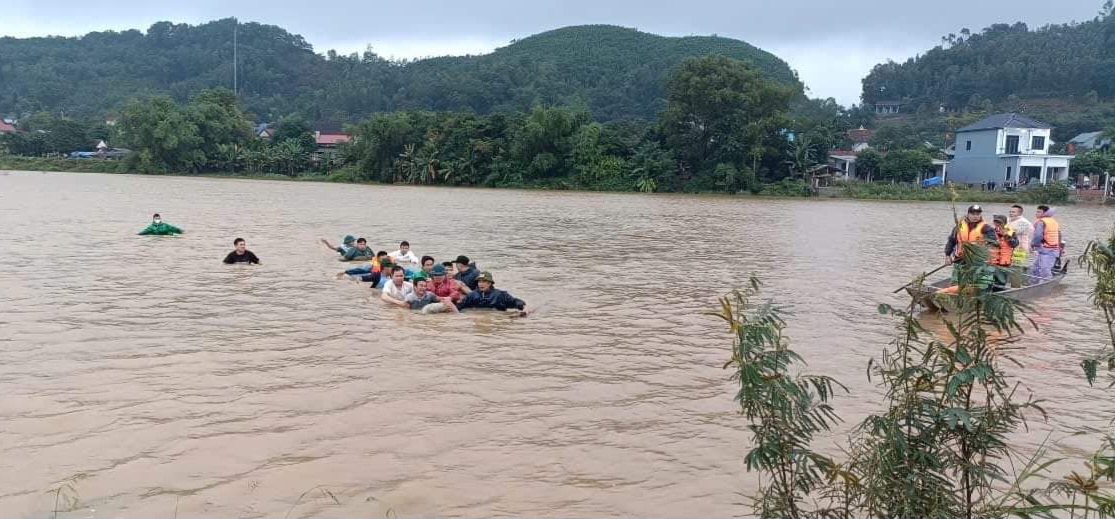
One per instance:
(725, 127)
(613, 72)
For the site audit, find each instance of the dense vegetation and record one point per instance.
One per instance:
(725, 127)
(613, 72)
(1076, 59)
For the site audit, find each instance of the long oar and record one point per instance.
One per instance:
(923, 277)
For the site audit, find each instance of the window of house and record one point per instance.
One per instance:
(1012, 145)
(968, 146)
(1008, 173)
(1037, 143)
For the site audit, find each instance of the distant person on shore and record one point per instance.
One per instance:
(158, 227)
(241, 254)
(346, 244)
(487, 295)
(1023, 229)
(467, 272)
(397, 289)
(1047, 241)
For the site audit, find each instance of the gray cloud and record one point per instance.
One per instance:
(831, 44)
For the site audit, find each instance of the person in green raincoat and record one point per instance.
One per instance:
(158, 227)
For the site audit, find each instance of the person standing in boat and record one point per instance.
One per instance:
(970, 229)
(1023, 229)
(1047, 242)
(1002, 255)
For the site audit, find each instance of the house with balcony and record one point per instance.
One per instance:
(1006, 149)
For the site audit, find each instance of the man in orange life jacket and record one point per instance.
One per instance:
(971, 229)
(1047, 242)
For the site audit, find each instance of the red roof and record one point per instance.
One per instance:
(6, 128)
(326, 139)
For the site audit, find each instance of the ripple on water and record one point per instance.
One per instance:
(164, 380)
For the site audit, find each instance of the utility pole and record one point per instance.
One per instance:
(235, 29)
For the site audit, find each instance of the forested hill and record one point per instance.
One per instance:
(1056, 61)
(616, 72)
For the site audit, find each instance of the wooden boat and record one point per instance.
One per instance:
(925, 295)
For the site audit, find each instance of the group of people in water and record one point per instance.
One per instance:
(403, 279)
(1010, 240)
(423, 284)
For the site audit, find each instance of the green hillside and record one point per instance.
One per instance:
(615, 72)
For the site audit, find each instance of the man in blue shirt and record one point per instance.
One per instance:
(487, 295)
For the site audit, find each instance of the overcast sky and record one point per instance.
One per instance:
(831, 43)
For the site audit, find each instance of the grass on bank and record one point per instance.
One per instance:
(1058, 193)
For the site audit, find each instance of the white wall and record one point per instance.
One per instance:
(1025, 139)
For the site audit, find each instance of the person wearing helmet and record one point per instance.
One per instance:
(347, 244)
(487, 295)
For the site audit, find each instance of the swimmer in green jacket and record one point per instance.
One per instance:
(160, 228)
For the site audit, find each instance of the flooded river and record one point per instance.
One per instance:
(149, 379)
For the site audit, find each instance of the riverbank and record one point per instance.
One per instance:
(1052, 194)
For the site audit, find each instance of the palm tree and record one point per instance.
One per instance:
(802, 157)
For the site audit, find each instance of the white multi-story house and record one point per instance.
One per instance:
(1006, 149)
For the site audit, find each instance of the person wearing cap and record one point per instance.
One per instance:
(487, 295)
(445, 286)
(346, 244)
(969, 230)
(1047, 241)
(158, 227)
(467, 272)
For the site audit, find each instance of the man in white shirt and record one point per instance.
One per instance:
(405, 257)
(1024, 230)
(397, 290)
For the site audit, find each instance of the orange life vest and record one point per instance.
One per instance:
(1004, 255)
(966, 235)
(1051, 238)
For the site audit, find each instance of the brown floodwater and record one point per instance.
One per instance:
(150, 379)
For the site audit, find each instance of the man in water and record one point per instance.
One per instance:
(487, 295)
(360, 252)
(345, 246)
(1023, 229)
(373, 267)
(428, 263)
(397, 290)
(158, 227)
(466, 272)
(404, 256)
(444, 286)
(426, 301)
(241, 254)
(1047, 241)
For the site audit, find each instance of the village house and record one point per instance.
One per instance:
(1088, 141)
(1006, 149)
(327, 143)
(7, 127)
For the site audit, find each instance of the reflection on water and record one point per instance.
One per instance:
(165, 380)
